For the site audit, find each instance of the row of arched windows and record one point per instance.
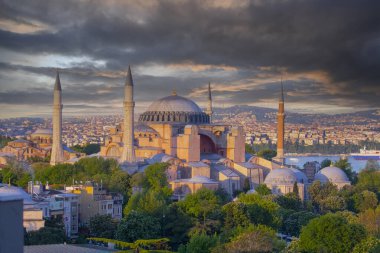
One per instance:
(184, 117)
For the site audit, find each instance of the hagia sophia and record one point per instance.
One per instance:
(175, 130)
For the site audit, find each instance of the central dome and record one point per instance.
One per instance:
(174, 109)
(174, 103)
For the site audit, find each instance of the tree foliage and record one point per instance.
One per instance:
(290, 200)
(325, 163)
(263, 189)
(138, 225)
(255, 239)
(268, 154)
(370, 219)
(102, 226)
(364, 200)
(88, 149)
(235, 215)
(15, 174)
(295, 221)
(260, 209)
(330, 233)
(199, 243)
(369, 178)
(347, 168)
(249, 149)
(201, 204)
(368, 245)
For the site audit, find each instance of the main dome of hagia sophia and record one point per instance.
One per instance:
(174, 109)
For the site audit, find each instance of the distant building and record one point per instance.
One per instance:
(37, 145)
(94, 200)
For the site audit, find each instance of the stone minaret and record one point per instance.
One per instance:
(57, 149)
(209, 106)
(280, 127)
(128, 154)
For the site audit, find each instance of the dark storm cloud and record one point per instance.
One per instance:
(341, 38)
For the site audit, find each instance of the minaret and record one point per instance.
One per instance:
(128, 154)
(57, 149)
(280, 128)
(209, 106)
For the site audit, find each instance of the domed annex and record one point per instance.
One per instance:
(281, 181)
(334, 175)
(174, 108)
(281, 176)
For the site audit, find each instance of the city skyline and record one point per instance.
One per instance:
(326, 53)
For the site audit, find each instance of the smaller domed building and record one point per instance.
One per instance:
(282, 180)
(334, 175)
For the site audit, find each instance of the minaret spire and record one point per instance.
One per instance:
(128, 154)
(280, 127)
(209, 106)
(57, 149)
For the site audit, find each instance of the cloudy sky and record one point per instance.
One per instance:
(327, 52)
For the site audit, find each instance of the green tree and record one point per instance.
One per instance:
(199, 243)
(138, 225)
(102, 226)
(333, 203)
(325, 163)
(368, 245)
(290, 200)
(88, 149)
(370, 219)
(45, 235)
(319, 192)
(268, 154)
(294, 223)
(246, 185)
(235, 215)
(254, 239)
(260, 209)
(369, 179)
(176, 225)
(156, 176)
(295, 188)
(330, 233)
(249, 149)
(347, 168)
(120, 181)
(15, 173)
(263, 189)
(365, 200)
(201, 204)
(155, 193)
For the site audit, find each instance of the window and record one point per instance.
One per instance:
(109, 206)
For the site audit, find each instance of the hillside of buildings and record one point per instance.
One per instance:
(263, 114)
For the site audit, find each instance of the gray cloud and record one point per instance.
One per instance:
(339, 38)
